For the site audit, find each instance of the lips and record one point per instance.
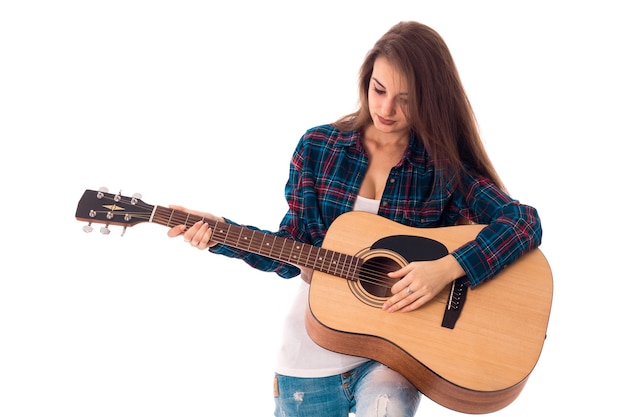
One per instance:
(384, 121)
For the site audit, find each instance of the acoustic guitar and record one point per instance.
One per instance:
(470, 350)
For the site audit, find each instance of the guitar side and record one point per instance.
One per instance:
(479, 366)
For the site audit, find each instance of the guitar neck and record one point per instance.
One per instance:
(265, 244)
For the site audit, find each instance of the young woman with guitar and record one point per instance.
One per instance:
(412, 154)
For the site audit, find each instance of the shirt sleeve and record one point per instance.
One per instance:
(256, 261)
(290, 226)
(512, 230)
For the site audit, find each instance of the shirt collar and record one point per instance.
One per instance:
(415, 155)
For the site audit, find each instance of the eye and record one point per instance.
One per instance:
(378, 91)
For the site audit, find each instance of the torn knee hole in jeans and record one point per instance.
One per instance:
(298, 396)
(381, 405)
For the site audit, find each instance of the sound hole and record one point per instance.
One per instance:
(373, 276)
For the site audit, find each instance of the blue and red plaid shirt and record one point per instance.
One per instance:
(325, 175)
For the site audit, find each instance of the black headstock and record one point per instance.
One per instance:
(112, 209)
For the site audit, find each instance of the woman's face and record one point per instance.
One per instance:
(387, 96)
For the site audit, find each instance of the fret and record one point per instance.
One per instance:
(272, 246)
(238, 239)
(341, 263)
(353, 269)
(326, 263)
(292, 245)
(321, 256)
(256, 241)
(170, 218)
(245, 237)
(282, 248)
(218, 234)
(308, 257)
(319, 260)
(226, 235)
(334, 263)
(295, 257)
(286, 252)
(262, 245)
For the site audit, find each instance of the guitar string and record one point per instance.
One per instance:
(375, 276)
(375, 273)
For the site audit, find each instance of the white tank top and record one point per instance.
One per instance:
(298, 354)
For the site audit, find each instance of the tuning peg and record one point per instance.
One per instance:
(101, 192)
(105, 230)
(87, 228)
(123, 231)
(136, 197)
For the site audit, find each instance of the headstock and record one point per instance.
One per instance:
(112, 209)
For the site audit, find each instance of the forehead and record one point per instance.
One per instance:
(388, 75)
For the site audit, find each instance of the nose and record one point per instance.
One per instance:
(388, 107)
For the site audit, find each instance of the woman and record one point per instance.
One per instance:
(410, 153)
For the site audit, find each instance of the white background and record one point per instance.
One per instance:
(201, 104)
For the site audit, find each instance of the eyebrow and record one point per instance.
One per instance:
(383, 86)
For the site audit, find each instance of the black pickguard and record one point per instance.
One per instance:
(418, 248)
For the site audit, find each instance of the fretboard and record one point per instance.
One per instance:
(265, 244)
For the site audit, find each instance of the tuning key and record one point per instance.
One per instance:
(105, 230)
(87, 228)
(101, 192)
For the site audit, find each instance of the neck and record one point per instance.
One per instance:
(377, 138)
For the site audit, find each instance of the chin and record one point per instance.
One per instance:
(385, 128)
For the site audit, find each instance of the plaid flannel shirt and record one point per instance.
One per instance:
(325, 175)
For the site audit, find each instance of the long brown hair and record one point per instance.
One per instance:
(438, 109)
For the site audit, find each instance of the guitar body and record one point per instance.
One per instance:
(478, 366)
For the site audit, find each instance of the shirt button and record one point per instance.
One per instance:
(392, 180)
(385, 204)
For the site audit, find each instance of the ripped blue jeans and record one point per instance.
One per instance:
(370, 390)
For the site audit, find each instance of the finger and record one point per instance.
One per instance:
(399, 273)
(200, 232)
(206, 237)
(190, 234)
(405, 302)
(408, 295)
(402, 284)
(414, 304)
(176, 230)
(402, 296)
(408, 289)
(200, 238)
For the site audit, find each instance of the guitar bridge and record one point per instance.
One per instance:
(456, 299)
